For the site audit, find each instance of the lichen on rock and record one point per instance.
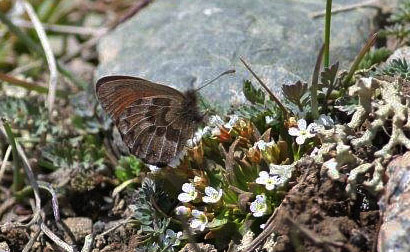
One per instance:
(382, 106)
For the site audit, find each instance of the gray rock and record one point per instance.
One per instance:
(395, 207)
(79, 226)
(182, 43)
(401, 53)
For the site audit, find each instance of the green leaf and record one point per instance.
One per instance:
(128, 168)
(252, 94)
(218, 221)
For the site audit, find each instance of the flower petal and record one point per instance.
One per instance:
(300, 139)
(302, 124)
(261, 198)
(197, 213)
(207, 199)
(264, 174)
(263, 178)
(188, 187)
(210, 191)
(195, 223)
(294, 131)
(257, 214)
(202, 227)
(270, 186)
(184, 197)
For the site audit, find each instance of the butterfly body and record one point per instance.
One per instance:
(154, 120)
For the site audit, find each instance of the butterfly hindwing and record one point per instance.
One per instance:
(150, 131)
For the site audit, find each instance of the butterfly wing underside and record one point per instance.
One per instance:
(149, 116)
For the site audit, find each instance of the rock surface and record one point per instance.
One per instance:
(395, 207)
(182, 43)
(79, 226)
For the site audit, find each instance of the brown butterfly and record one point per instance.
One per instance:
(155, 121)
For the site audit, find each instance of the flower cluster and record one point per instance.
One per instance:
(271, 181)
(260, 206)
(199, 219)
(189, 193)
(303, 131)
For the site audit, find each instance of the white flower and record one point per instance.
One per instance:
(325, 121)
(262, 145)
(271, 181)
(182, 210)
(199, 221)
(232, 122)
(189, 193)
(302, 132)
(262, 226)
(171, 238)
(259, 206)
(153, 168)
(215, 121)
(212, 195)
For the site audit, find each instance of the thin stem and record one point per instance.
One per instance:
(51, 62)
(29, 85)
(62, 244)
(370, 42)
(4, 163)
(30, 176)
(271, 94)
(17, 178)
(328, 18)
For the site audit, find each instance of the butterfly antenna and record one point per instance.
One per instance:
(217, 77)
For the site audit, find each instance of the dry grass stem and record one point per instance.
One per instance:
(52, 87)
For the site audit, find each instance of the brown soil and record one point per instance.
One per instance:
(316, 215)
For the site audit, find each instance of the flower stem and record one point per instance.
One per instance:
(298, 153)
(327, 31)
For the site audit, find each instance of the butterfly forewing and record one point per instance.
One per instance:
(149, 116)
